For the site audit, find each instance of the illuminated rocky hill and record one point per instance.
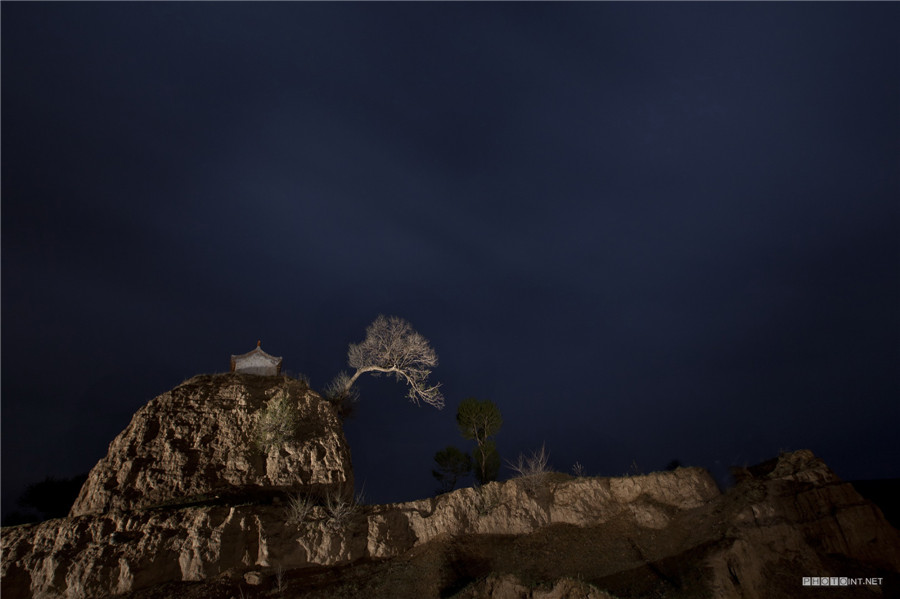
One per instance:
(186, 505)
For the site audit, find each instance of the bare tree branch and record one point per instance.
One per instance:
(392, 346)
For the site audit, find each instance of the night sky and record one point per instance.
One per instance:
(646, 231)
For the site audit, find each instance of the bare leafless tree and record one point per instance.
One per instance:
(392, 346)
(533, 470)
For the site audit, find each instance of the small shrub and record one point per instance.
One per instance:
(277, 422)
(297, 376)
(342, 395)
(280, 582)
(298, 509)
(339, 510)
(532, 470)
(579, 470)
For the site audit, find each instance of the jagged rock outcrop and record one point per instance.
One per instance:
(792, 517)
(196, 442)
(653, 535)
(184, 506)
(116, 552)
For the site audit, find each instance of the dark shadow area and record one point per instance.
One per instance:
(50, 498)
(461, 571)
(885, 493)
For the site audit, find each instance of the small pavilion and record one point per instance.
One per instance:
(256, 362)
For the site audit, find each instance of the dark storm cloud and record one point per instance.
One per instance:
(647, 231)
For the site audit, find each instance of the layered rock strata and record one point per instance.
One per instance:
(119, 551)
(184, 503)
(792, 517)
(660, 533)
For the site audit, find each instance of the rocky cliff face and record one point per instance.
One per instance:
(666, 534)
(792, 517)
(196, 442)
(116, 552)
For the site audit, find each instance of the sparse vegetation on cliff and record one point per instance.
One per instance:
(298, 509)
(532, 470)
(339, 510)
(278, 422)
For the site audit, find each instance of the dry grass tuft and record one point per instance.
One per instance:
(339, 510)
(298, 509)
(532, 470)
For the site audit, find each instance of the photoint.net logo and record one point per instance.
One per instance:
(839, 581)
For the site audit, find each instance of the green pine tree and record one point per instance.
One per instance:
(452, 464)
(480, 420)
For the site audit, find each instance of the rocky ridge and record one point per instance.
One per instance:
(654, 535)
(120, 551)
(183, 508)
